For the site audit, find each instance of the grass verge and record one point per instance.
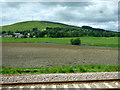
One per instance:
(64, 69)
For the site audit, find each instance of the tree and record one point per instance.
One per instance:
(76, 41)
(3, 32)
(35, 29)
(10, 33)
(31, 35)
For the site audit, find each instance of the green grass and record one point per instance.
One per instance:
(29, 25)
(94, 41)
(64, 69)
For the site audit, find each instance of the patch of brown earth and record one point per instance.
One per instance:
(45, 55)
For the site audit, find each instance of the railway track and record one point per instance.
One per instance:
(114, 84)
(61, 81)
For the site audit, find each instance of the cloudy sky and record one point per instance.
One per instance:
(102, 14)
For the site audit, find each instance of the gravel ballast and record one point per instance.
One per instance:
(42, 78)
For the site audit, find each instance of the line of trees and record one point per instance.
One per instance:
(66, 32)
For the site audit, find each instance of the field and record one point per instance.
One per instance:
(56, 55)
(49, 55)
(29, 25)
(94, 41)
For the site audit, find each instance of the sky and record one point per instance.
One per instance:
(102, 14)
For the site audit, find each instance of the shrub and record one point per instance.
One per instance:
(31, 36)
(76, 41)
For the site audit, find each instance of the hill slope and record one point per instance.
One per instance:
(29, 25)
(53, 30)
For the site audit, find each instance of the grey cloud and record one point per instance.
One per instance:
(13, 4)
(71, 4)
(80, 14)
(67, 12)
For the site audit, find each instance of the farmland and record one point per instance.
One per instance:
(49, 55)
(57, 55)
(94, 41)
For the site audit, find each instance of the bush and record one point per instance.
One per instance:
(76, 41)
(31, 36)
(24, 36)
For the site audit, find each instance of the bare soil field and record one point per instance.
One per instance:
(45, 55)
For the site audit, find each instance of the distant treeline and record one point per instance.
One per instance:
(67, 32)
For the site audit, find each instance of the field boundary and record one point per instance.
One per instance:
(91, 41)
(55, 78)
(83, 45)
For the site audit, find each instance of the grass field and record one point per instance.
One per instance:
(29, 25)
(64, 69)
(94, 41)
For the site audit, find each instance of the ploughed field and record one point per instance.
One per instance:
(45, 55)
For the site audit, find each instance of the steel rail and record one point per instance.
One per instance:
(58, 82)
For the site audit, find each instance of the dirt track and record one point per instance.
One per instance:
(44, 55)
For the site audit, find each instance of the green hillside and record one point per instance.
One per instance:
(29, 25)
(54, 29)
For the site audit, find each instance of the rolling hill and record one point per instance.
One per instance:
(29, 25)
(54, 29)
